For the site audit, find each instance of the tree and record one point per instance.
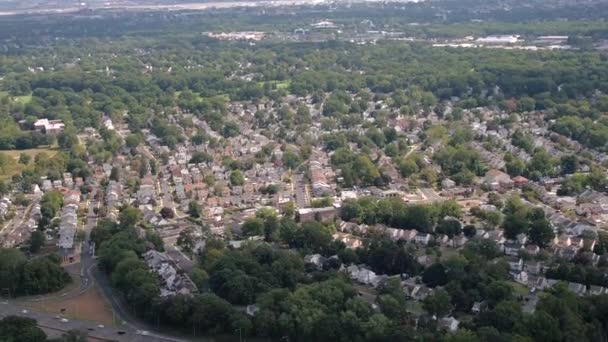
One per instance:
(461, 335)
(438, 303)
(289, 209)
(569, 164)
(194, 209)
(422, 217)
(42, 275)
(450, 208)
(237, 178)
(290, 159)
(4, 187)
(67, 140)
(449, 227)
(199, 277)
(499, 291)
(37, 240)
(73, 336)
(515, 223)
(20, 329)
(185, 240)
(541, 232)
(469, 231)
(407, 167)
(167, 213)
(543, 327)
(253, 226)
(435, 275)
(115, 174)
(11, 264)
(129, 217)
(133, 140)
(24, 158)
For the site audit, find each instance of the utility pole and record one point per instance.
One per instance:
(240, 334)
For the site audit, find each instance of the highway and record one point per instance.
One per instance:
(53, 322)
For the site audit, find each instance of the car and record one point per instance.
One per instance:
(65, 320)
(120, 332)
(142, 332)
(24, 311)
(100, 326)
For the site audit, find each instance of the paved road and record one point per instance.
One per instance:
(302, 196)
(50, 321)
(430, 194)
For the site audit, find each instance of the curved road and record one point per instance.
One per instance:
(89, 275)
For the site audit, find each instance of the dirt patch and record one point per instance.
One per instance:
(90, 306)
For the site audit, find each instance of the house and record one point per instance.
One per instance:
(447, 184)
(479, 307)
(251, 310)
(496, 236)
(172, 281)
(516, 264)
(420, 292)
(520, 181)
(522, 238)
(512, 248)
(520, 277)
(577, 289)
(589, 243)
(595, 290)
(315, 260)
(459, 241)
(564, 240)
(319, 214)
(47, 126)
(449, 323)
(442, 239)
(422, 238)
(567, 253)
(532, 249)
(349, 240)
(495, 180)
(534, 267)
(365, 276)
(538, 282)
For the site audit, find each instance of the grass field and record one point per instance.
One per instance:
(89, 306)
(25, 99)
(15, 167)
(199, 98)
(519, 289)
(279, 84)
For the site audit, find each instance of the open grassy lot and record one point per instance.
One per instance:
(90, 306)
(25, 99)
(14, 167)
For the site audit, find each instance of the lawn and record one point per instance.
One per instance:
(414, 307)
(89, 306)
(14, 167)
(25, 99)
(199, 98)
(279, 84)
(519, 289)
